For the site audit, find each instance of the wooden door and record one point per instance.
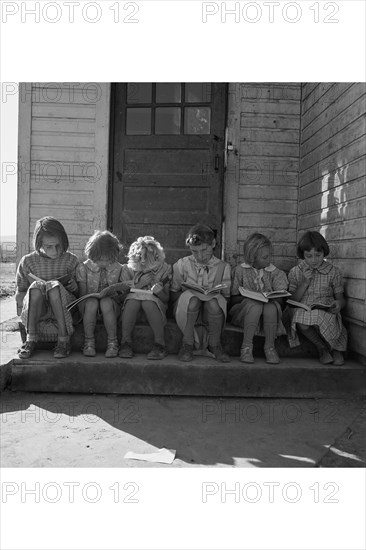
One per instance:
(167, 161)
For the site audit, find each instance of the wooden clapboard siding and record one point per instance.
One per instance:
(332, 187)
(67, 148)
(267, 197)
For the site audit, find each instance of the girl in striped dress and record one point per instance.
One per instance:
(42, 299)
(315, 280)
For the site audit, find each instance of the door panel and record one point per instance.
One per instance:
(167, 161)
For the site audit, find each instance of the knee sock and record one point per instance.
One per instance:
(129, 318)
(270, 330)
(314, 337)
(188, 337)
(155, 321)
(215, 323)
(249, 331)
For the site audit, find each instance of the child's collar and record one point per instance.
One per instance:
(94, 267)
(210, 262)
(270, 268)
(324, 267)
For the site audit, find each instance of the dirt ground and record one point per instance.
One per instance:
(74, 430)
(7, 279)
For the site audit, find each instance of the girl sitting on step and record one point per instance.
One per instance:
(191, 307)
(99, 271)
(316, 280)
(149, 277)
(45, 285)
(257, 274)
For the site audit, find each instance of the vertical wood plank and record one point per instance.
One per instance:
(102, 123)
(232, 176)
(24, 169)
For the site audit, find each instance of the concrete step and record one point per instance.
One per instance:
(143, 341)
(293, 377)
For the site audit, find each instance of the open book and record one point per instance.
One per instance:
(112, 291)
(263, 296)
(214, 290)
(309, 308)
(141, 290)
(64, 279)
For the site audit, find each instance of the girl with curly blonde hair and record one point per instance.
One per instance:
(149, 277)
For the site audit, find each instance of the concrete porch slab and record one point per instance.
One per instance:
(293, 377)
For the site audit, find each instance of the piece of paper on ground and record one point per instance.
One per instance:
(165, 456)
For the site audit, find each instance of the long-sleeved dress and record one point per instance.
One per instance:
(162, 273)
(47, 269)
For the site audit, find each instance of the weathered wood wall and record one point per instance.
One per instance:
(332, 187)
(63, 159)
(268, 165)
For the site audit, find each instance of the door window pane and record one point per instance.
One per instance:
(198, 92)
(197, 120)
(139, 92)
(168, 93)
(167, 120)
(138, 121)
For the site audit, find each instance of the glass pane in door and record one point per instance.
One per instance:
(197, 120)
(167, 120)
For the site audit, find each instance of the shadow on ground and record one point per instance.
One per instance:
(74, 430)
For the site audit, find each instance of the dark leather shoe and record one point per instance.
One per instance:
(219, 354)
(158, 352)
(185, 352)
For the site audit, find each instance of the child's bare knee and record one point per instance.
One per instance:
(194, 304)
(36, 294)
(148, 306)
(91, 305)
(212, 306)
(270, 310)
(54, 295)
(106, 304)
(302, 328)
(256, 307)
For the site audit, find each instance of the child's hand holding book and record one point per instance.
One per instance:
(335, 307)
(72, 286)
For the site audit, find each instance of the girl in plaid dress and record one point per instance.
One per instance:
(42, 304)
(315, 280)
(257, 273)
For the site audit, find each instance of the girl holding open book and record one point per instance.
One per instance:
(149, 277)
(97, 273)
(41, 297)
(316, 281)
(257, 274)
(194, 305)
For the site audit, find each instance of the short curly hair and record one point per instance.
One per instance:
(200, 234)
(103, 244)
(310, 240)
(144, 246)
(49, 226)
(252, 244)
